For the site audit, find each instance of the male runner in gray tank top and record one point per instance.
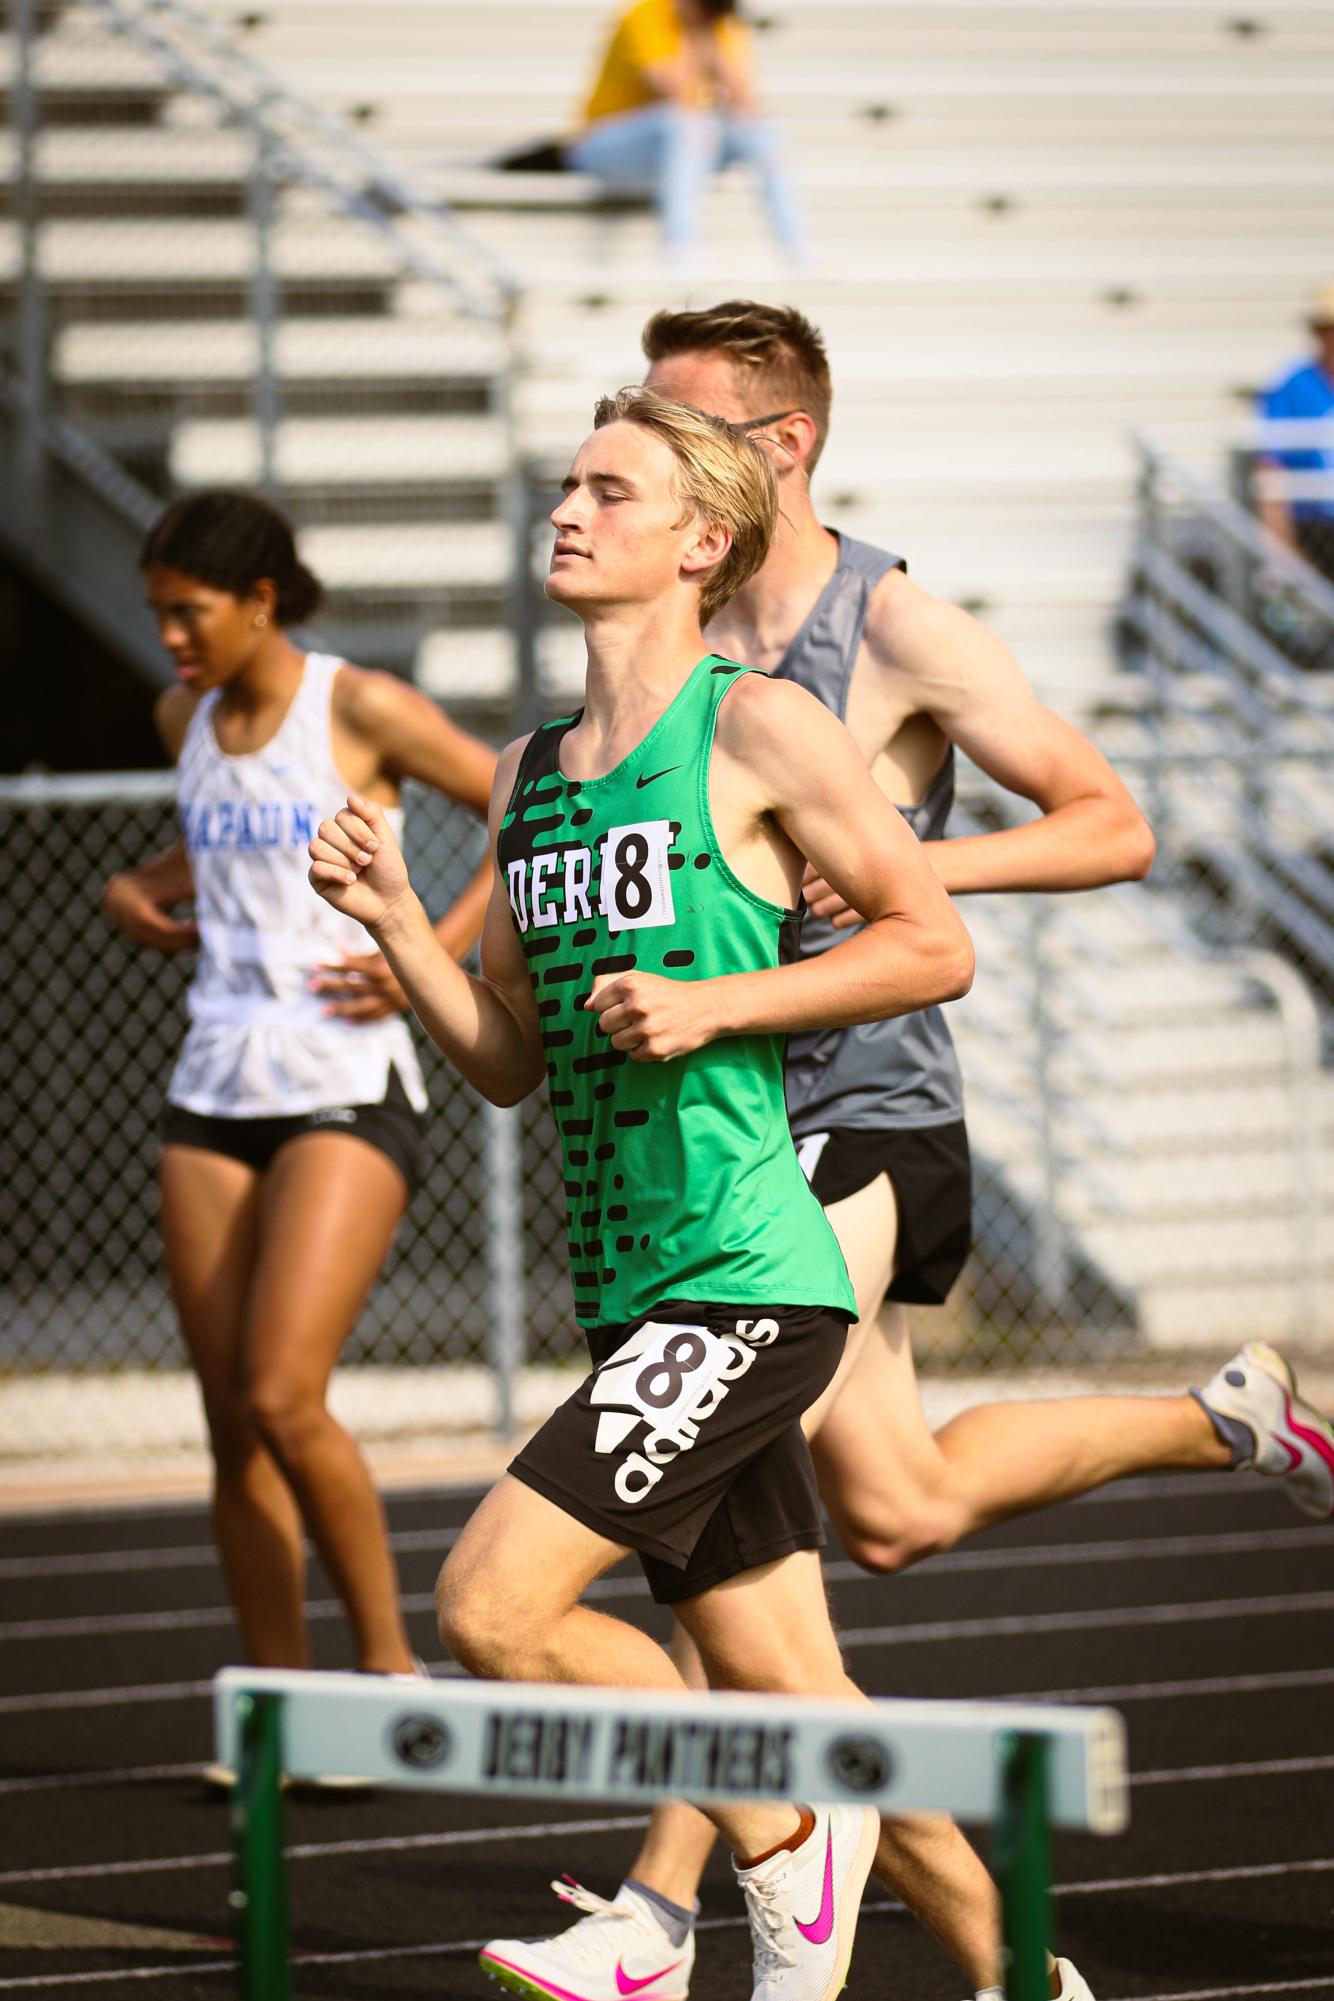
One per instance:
(877, 1111)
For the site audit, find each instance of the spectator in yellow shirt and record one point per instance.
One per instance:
(673, 103)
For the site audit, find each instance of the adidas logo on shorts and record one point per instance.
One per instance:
(669, 1376)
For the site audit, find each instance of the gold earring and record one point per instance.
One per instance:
(261, 618)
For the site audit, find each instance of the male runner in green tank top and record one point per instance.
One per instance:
(879, 1110)
(649, 856)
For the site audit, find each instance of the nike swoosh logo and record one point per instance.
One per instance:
(625, 1985)
(1320, 1446)
(642, 781)
(819, 1931)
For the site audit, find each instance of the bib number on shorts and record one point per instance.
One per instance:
(661, 1374)
(636, 876)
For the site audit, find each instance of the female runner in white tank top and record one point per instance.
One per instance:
(292, 1132)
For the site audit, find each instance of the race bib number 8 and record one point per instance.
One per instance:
(636, 876)
(663, 1372)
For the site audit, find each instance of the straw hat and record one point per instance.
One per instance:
(1320, 312)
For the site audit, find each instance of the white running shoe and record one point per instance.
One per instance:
(1289, 1438)
(802, 1905)
(1074, 1987)
(615, 1950)
(222, 1779)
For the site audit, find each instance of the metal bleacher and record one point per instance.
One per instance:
(1034, 226)
(270, 251)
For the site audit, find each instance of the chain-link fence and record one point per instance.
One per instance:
(92, 1026)
(1150, 1116)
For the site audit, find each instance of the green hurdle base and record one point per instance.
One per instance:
(1021, 1864)
(1020, 1857)
(259, 1897)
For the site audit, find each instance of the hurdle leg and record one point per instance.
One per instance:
(1021, 1853)
(260, 1896)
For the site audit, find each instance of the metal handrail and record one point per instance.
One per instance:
(1154, 914)
(36, 789)
(1241, 528)
(291, 125)
(291, 141)
(1236, 639)
(83, 455)
(1301, 1033)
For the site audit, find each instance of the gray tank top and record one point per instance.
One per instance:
(901, 1072)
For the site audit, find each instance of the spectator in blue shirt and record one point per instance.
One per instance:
(1297, 446)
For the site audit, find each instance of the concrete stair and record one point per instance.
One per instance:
(1036, 225)
(1182, 1135)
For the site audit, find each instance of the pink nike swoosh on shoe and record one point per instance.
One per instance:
(1320, 1446)
(818, 1931)
(625, 1985)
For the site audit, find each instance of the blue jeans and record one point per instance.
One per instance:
(673, 152)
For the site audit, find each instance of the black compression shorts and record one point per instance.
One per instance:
(931, 1174)
(392, 1126)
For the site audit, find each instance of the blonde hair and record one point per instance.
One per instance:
(722, 475)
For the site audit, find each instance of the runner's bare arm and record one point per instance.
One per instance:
(913, 950)
(1090, 831)
(137, 900)
(487, 1027)
(411, 738)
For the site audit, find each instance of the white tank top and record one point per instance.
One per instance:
(259, 1044)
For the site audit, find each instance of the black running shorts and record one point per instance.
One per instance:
(392, 1126)
(685, 1443)
(931, 1174)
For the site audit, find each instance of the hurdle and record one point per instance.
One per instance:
(1021, 1768)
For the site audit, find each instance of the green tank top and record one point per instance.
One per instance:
(681, 1177)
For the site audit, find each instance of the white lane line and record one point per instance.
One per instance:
(316, 1851)
(125, 1775)
(179, 1556)
(954, 1562)
(1039, 1556)
(1179, 1485)
(196, 1556)
(930, 1631)
(1159, 1691)
(1230, 1542)
(1255, 1768)
(89, 1564)
(1325, 1980)
(379, 1954)
(193, 1968)
(453, 1838)
(1149, 1691)
(922, 1632)
(1175, 1879)
(151, 1691)
(102, 1698)
(203, 1618)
